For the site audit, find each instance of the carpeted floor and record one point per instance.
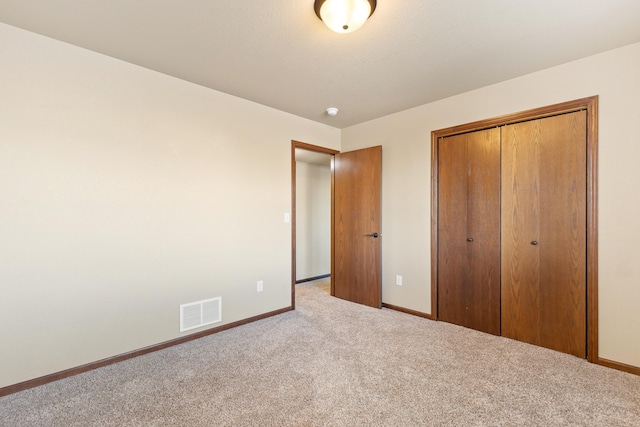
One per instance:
(334, 363)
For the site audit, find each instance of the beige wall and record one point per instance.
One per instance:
(313, 220)
(125, 193)
(405, 137)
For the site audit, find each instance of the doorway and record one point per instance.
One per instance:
(305, 228)
(355, 223)
(313, 215)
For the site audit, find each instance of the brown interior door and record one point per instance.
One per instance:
(357, 226)
(544, 232)
(469, 230)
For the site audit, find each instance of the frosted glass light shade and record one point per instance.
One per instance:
(344, 16)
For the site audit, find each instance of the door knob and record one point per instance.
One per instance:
(534, 242)
(470, 239)
(374, 235)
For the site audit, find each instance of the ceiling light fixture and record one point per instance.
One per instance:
(344, 16)
(332, 111)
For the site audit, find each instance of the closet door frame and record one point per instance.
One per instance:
(590, 105)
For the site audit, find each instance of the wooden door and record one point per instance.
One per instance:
(469, 230)
(357, 226)
(544, 232)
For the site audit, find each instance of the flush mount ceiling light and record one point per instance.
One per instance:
(344, 16)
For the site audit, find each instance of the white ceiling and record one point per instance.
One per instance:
(278, 53)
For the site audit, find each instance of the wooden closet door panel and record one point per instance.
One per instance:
(453, 277)
(520, 224)
(563, 225)
(483, 224)
(544, 232)
(469, 230)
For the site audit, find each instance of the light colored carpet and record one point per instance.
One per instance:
(334, 363)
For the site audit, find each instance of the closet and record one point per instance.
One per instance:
(511, 225)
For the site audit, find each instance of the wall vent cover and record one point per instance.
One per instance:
(200, 313)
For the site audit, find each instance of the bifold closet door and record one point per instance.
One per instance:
(469, 230)
(544, 232)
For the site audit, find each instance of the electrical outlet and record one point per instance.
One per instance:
(399, 280)
(260, 286)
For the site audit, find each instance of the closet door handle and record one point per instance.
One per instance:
(470, 239)
(534, 242)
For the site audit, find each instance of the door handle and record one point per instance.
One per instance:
(534, 242)
(470, 239)
(374, 235)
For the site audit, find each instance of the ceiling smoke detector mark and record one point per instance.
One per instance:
(200, 313)
(332, 111)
